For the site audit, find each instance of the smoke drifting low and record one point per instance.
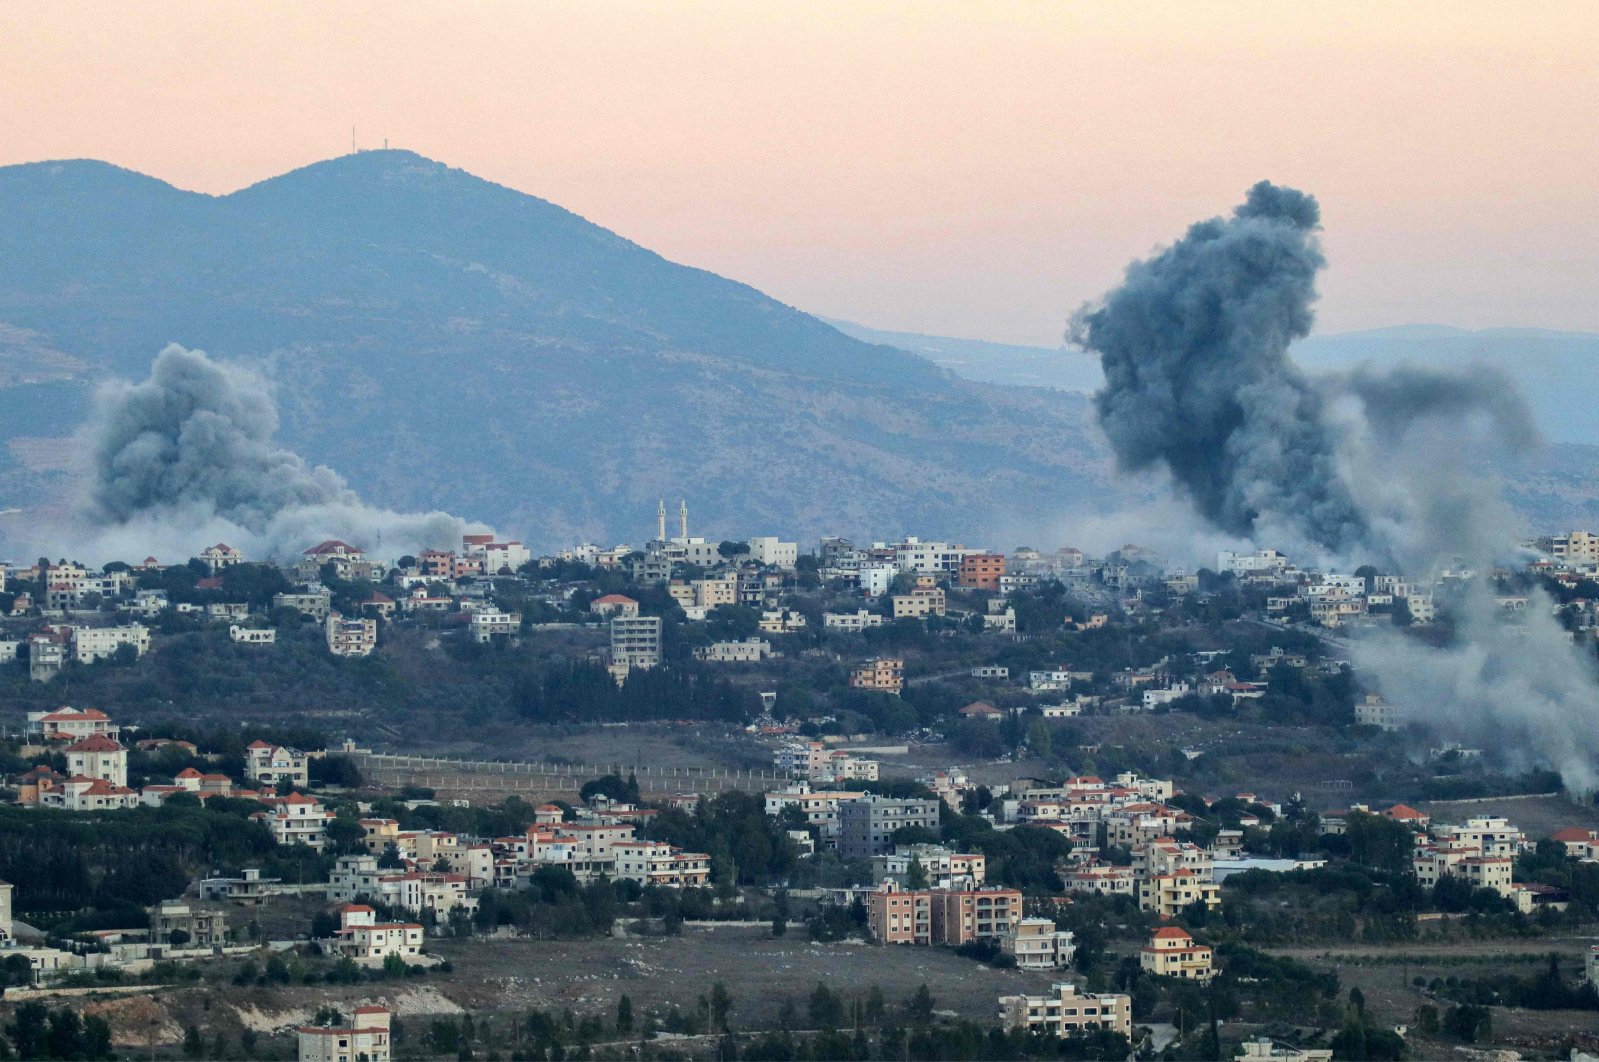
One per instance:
(1376, 466)
(187, 457)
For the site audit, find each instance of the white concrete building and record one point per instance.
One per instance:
(350, 637)
(768, 550)
(90, 644)
(253, 635)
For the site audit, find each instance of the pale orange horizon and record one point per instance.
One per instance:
(975, 169)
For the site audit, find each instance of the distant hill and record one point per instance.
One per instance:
(447, 342)
(1557, 371)
(1062, 368)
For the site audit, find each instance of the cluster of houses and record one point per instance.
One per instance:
(96, 777)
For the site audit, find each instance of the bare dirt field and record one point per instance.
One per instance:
(760, 973)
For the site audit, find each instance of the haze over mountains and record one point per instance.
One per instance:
(445, 342)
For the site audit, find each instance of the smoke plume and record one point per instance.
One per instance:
(1197, 376)
(187, 457)
(1377, 466)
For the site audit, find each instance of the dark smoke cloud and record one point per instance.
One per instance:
(1375, 465)
(1194, 346)
(1394, 401)
(187, 457)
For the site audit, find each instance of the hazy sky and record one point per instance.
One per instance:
(975, 169)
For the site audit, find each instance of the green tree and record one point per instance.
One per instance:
(919, 1007)
(825, 1009)
(721, 1006)
(1040, 739)
(916, 874)
(29, 1029)
(624, 1016)
(875, 1009)
(65, 1037)
(780, 913)
(193, 1043)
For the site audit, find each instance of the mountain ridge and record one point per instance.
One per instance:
(447, 342)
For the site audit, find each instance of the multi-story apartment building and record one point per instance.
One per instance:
(962, 916)
(1065, 1010)
(819, 808)
(350, 637)
(770, 551)
(98, 757)
(1167, 894)
(635, 641)
(981, 571)
(867, 825)
(90, 644)
(944, 867)
(658, 863)
(899, 916)
(886, 674)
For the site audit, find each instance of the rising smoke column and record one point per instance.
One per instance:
(1194, 346)
(1198, 378)
(190, 452)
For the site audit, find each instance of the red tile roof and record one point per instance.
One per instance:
(95, 743)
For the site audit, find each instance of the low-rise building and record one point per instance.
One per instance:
(365, 1039)
(851, 622)
(886, 675)
(296, 819)
(1037, 945)
(1065, 1010)
(273, 765)
(362, 937)
(253, 635)
(1171, 952)
(748, 651)
(490, 624)
(196, 926)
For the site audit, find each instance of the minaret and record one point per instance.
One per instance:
(660, 520)
(682, 515)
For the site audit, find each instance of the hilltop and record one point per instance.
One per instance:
(448, 342)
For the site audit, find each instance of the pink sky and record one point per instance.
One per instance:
(974, 169)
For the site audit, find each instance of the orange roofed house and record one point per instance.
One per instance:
(1171, 952)
(365, 1039)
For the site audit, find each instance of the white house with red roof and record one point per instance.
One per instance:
(614, 605)
(220, 557)
(98, 756)
(80, 793)
(366, 940)
(273, 765)
(333, 549)
(72, 724)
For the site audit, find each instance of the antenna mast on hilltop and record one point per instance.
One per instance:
(352, 139)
